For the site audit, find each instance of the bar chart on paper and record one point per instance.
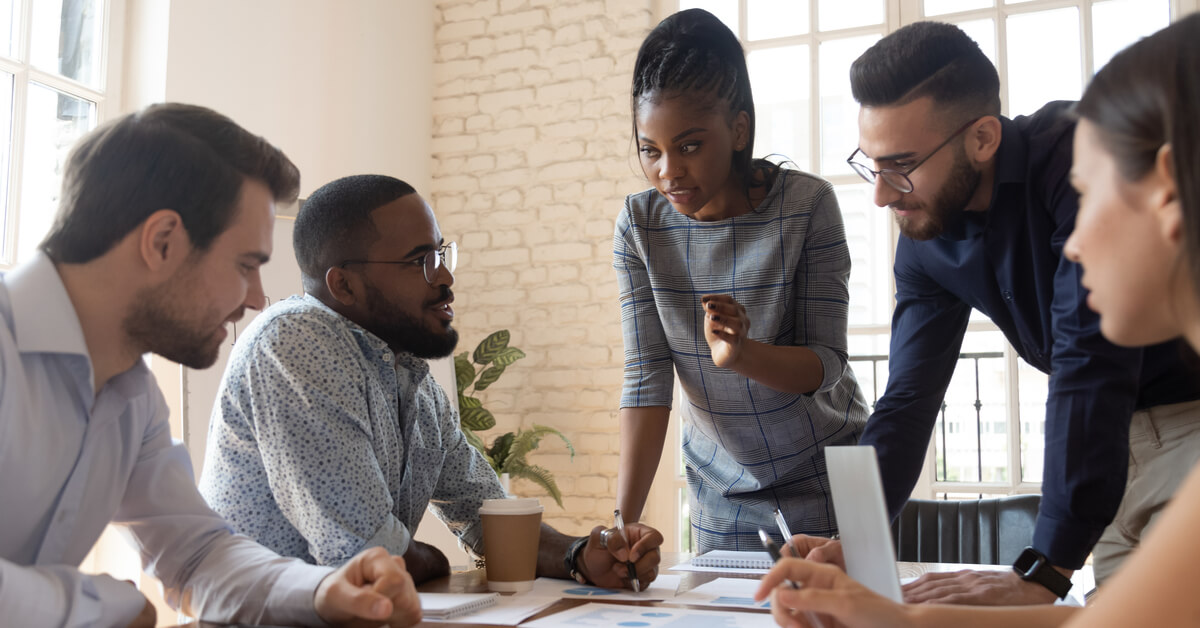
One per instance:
(651, 617)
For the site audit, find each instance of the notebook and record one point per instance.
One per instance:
(451, 605)
(729, 559)
(862, 519)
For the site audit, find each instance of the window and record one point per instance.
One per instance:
(53, 78)
(988, 437)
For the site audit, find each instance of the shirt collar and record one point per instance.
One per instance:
(44, 319)
(1011, 157)
(1010, 168)
(373, 346)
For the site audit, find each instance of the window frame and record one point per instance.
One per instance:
(897, 13)
(105, 97)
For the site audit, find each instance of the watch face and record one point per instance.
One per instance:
(1028, 562)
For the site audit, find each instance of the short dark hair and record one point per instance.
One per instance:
(1145, 97)
(334, 222)
(187, 158)
(928, 59)
(692, 52)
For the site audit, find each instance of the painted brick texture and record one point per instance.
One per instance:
(531, 163)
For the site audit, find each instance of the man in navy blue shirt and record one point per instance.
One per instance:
(984, 207)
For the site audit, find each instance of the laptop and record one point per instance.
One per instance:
(862, 519)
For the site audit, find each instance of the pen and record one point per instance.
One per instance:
(787, 533)
(774, 552)
(620, 523)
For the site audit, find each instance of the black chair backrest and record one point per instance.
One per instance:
(980, 531)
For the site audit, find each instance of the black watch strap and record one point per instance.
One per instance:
(1033, 566)
(571, 560)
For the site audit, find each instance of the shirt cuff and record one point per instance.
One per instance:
(1066, 543)
(293, 597)
(392, 536)
(120, 601)
(832, 365)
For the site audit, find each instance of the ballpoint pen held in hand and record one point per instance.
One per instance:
(787, 533)
(620, 523)
(813, 620)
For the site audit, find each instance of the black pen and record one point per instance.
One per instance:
(620, 523)
(775, 556)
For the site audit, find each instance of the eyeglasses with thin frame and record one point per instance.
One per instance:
(897, 179)
(430, 262)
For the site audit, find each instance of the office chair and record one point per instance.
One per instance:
(980, 531)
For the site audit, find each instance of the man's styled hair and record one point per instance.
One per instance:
(186, 158)
(334, 222)
(928, 59)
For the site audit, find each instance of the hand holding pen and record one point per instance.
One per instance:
(811, 618)
(619, 522)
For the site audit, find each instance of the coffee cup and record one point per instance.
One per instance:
(511, 531)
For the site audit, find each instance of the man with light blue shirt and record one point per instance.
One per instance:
(329, 434)
(165, 219)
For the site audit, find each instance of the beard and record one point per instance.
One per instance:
(157, 324)
(948, 206)
(404, 332)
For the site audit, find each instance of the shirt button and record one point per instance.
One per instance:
(1007, 295)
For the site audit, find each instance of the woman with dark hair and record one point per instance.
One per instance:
(720, 241)
(1137, 236)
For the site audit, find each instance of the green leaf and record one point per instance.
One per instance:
(477, 442)
(465, 402)
(527, 440)
(489, 377)
(477, 419)
(538, 475)
(464, 373)
(491, 347)
(500, 448)
(508, 356)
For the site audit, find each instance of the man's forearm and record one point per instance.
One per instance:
(552, 547)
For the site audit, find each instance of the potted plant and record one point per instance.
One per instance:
(507, 452)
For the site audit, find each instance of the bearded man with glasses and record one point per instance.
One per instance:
(984, 207)
(330, 435)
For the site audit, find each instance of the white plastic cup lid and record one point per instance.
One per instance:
(512, 506)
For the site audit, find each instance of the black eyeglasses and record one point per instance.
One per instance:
(895, 178)
(429, 262)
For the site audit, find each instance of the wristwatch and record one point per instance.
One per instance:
(571, 560)
(1033, 566)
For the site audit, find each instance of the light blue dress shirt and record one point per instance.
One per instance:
(323, 442)
(71, 462)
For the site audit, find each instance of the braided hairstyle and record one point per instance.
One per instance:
(693, 53)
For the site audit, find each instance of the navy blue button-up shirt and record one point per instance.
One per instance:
(1008, 263)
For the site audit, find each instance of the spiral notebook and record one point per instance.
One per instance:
(729, 559)
(451, 605)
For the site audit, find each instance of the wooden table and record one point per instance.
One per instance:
(474, 581)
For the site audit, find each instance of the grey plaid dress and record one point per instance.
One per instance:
(748, 449)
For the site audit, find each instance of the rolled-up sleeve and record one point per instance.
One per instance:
(648, 375)
(822, 288)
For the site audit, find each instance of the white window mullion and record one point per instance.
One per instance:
(16, 165)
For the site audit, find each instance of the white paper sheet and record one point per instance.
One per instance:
(509, 610)
(725, 592)
(608, 615)
(663, 588)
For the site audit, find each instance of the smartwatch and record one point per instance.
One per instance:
(1033, 566)
(571, 560)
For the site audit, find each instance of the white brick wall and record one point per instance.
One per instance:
(532, 161)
